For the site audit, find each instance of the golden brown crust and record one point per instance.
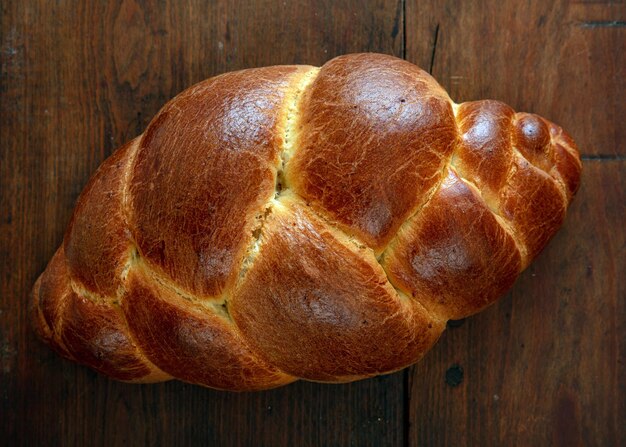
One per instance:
(294, 222)
(533, 204)
(454, 256)
(218, 140)
(88, 330)
(321, 308)
(484, 154)
(376, 133)
(191, 343)
(48, 295)
(567, 159)
(97, 241)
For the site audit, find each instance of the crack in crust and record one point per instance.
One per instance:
(290, 124)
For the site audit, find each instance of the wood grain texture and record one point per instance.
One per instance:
(563, 60)
(543, 366)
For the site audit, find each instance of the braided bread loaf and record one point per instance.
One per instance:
(293, 222)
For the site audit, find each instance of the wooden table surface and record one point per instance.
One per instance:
(544, 366)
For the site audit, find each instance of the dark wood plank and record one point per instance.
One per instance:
(544, 366)
(561, 59)
(80, 78)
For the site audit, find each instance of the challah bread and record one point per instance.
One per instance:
(294, 222)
